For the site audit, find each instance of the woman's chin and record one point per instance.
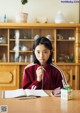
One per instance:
(42, 63)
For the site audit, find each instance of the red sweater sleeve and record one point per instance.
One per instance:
(30, 81)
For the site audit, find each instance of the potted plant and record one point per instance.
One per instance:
(22, 16)
(24, 2)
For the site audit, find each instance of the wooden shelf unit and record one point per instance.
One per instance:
(65, 39)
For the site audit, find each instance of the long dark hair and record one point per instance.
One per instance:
(47, 43)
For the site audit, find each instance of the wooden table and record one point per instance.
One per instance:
(43, 104)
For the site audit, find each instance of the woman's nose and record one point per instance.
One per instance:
(41, 54)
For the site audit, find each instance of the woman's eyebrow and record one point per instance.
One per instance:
(43, 50)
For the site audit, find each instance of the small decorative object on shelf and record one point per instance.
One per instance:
(17, 34)
(16, 48)
(2, 40)
(71, 38)
(59, 37)
(31, 58)
(59, 18)
(71, 58)
(49, 37)
(22, 16)
(4, 58)
(24, 48)
(36, 37)
(26, 36)
(21, 58)
(41, 20)
(26, 58)
(5, 18)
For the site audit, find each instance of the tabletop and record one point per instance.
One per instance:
(43, 104)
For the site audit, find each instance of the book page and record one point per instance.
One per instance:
(32, 92)
(24, 93)
(14, 93)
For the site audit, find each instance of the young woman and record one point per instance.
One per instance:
(42, 73)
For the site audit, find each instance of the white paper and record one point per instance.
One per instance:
(22, 92)
(33, 92)
(14, 93)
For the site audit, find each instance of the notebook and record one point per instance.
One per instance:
(24, 93)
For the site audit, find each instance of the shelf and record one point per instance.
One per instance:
(28, 31)
(66, 52)
(3, 44)
(30, 40)
(20, 51)
(65, 40)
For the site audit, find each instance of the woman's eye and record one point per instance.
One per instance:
(45, 52)
(38, 52)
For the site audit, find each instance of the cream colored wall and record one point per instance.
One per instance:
(38, 8)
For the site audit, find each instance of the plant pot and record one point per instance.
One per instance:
(22, 17)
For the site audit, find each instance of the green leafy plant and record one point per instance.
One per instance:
(24, 2)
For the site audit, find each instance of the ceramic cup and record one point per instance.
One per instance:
(49, 37)
(36, 37)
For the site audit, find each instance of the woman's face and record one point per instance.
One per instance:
(42, 54)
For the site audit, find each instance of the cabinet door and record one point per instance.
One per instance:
(9, 77)
(3, 45)
(22, 67)
(69, 72)
(65, 45)
(20, 45)
(21, 42)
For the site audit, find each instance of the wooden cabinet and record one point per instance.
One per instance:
(65, 45)
(71, 72)
(16, 40)
(9, 76)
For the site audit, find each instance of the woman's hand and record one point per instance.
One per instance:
(39, 73)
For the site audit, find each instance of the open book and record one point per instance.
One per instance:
(24, 93)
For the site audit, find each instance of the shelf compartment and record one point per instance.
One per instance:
(64, 49)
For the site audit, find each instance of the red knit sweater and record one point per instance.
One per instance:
(52, 79)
